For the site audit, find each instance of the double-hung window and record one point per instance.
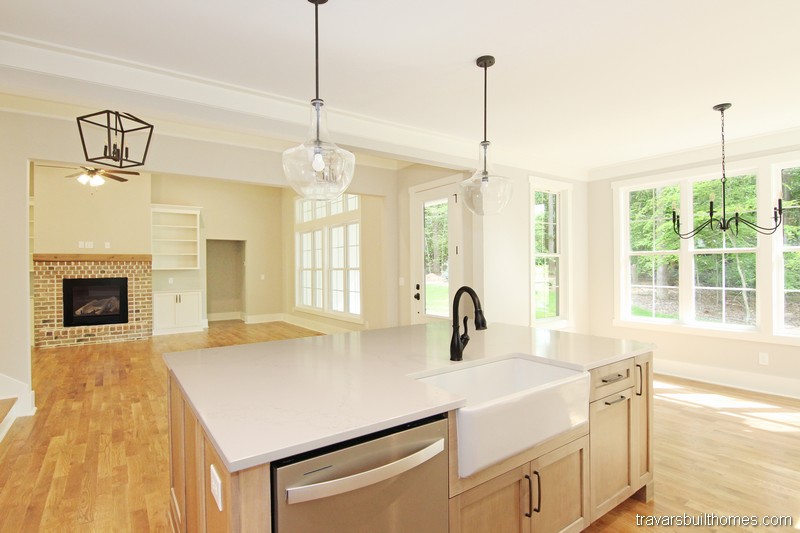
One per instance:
(707, 279)
(790, 185)
(328, 279)
(549, 261)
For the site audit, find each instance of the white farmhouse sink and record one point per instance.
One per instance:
(512, 404)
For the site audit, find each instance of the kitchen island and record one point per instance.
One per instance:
(243, 407)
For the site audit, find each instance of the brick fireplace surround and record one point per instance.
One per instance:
(49, 270)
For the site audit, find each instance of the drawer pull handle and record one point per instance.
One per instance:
(613, 379)
(538, 508)
(641, 380)
(618, 400)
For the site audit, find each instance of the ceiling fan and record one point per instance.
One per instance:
(96, 176)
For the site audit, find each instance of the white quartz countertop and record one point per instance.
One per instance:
(267, 401)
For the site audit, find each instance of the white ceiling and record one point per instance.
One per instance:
(578, 84)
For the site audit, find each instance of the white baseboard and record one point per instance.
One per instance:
(234, 315)
(259, 319)
(777, 385)
(26, 401)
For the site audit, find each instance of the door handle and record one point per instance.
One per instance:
(416, 296)
(334, 487)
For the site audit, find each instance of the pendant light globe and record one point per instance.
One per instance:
(318, 169)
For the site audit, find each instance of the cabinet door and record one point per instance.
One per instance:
(611, 430)
(164, 310)
(560, 489)
(500, 505)
(188, 309)
(177, 474)
(643, 420)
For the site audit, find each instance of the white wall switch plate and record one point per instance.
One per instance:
(763, 358)
(81, 244)
(108, 245)
(90, 244)
(216, 486)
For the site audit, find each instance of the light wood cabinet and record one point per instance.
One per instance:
(621, 434)
(611, 431)
(546, 495)
(175, 237)
(177, 457)
(643, 422)
(176, 312)
(560, 489)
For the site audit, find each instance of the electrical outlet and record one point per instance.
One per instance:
(216, 486)
(81, 244)
(170, 280)
(89, 244)
(108, 245)
(763, 358)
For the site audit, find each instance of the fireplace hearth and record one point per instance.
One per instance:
(95, 301)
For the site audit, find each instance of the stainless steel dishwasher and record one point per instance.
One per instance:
(394, 481)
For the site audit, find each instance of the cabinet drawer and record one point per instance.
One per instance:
(611, 378)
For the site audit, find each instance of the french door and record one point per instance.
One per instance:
(436, 250)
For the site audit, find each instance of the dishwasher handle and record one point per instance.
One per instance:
(333, 487)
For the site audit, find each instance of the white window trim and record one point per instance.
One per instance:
(769, 254)
(564, 236)
(325, 224)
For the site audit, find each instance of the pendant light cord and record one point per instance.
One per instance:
(316, 44)
(485, 105)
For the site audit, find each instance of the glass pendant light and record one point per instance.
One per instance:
(485, 193)
(318, 169)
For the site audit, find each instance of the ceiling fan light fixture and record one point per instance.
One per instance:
(84, 178)
(318, 169)
(485, 193)
(96, 180)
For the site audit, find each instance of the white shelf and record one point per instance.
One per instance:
(175, 237)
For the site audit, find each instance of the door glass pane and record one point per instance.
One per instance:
(437, 284)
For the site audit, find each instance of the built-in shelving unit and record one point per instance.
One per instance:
(175, 237)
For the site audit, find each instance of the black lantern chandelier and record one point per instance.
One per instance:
(724, 222)
(114, 139)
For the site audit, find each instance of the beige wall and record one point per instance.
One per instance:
(238, 212)
(66, 212)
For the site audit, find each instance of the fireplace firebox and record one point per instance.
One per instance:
(93, 301)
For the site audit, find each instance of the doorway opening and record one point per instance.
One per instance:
(225, 280)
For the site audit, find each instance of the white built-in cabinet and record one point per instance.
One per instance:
(175, 237)
(176, 312)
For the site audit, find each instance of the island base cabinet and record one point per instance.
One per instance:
(548, 495)
(611, 438)
(643, 417)
(560, 489)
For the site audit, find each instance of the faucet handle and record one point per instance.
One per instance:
(465, 335)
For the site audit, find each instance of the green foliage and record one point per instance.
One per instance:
(436, 235)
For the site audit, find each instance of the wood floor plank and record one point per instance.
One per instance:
(5, 406)
(95, 456)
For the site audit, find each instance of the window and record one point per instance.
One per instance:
(328, 277)
(719, 287)
(790, 185)
(548, 261)
(653, 259)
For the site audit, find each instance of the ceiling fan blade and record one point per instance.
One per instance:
(113, 177)
(131, 172)
(74, 175)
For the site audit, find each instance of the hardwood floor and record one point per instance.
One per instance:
(718, 450)
(95, 456)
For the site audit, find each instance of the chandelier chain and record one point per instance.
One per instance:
(722, 121)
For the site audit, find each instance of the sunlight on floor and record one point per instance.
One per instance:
(758, 415)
